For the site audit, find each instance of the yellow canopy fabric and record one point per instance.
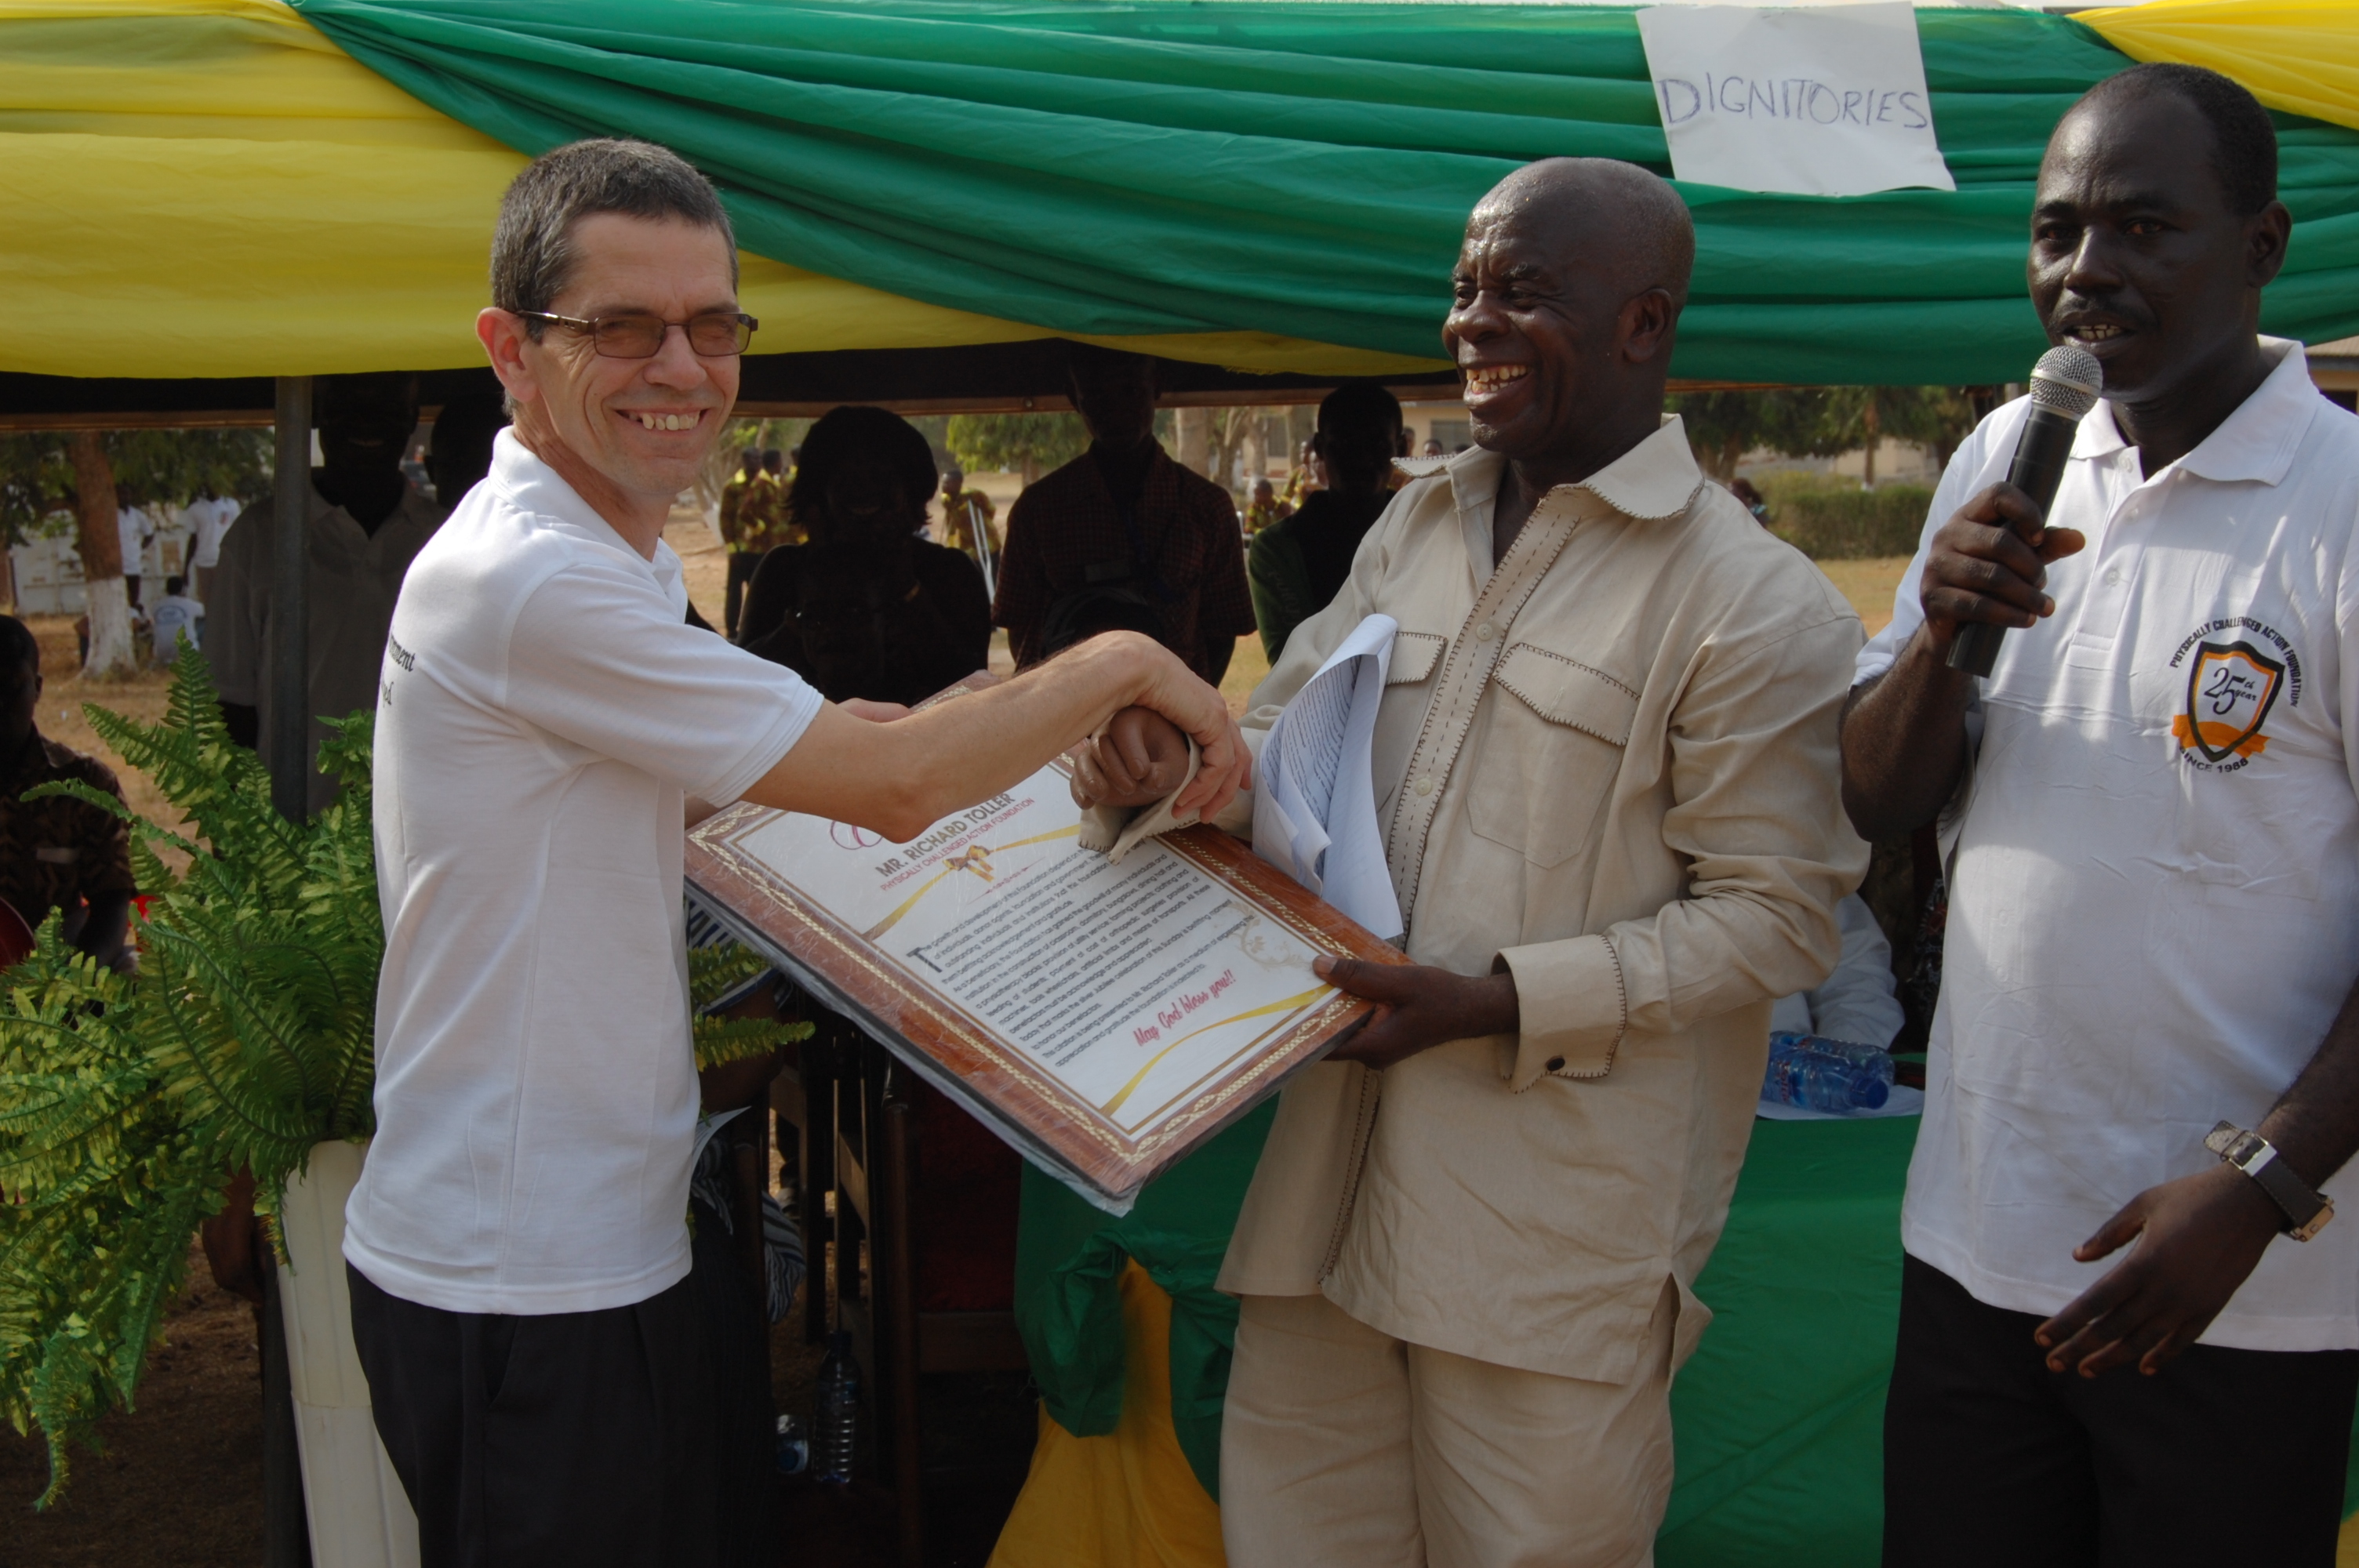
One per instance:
(210, 188)
(2299, 55)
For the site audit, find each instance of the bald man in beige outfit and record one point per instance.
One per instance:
(1607, 761)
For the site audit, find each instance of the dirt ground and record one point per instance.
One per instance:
(180, 1486)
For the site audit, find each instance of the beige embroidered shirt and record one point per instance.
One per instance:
(1610, 766)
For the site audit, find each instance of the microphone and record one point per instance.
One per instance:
(2065, 385)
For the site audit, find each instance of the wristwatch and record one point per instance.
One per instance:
(2306, 1209)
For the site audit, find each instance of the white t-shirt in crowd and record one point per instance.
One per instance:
(173, 614)
(2154, 911)
(133, 529)
(1856, 1002)
(544, 709)
(209, 520)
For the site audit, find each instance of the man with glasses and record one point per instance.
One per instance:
(518, 1243)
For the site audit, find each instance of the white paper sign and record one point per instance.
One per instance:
(1825, 102)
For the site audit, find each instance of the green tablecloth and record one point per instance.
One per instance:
(1778, 1417)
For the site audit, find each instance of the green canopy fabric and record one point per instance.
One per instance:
(1298, 168)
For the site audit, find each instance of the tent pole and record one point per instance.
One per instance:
(290, 687)
(286, 1528)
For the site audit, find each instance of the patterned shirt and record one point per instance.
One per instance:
(956, 532)
(732, 503)
(1068, 523)
(57, 852)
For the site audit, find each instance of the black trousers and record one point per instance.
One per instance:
(745, 1422)
(576, 1440)
(2224, 1457)
(741, 565)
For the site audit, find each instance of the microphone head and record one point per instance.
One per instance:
(2067, 380)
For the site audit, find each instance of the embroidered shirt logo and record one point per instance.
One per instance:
(2230, 691)
(2231, 688)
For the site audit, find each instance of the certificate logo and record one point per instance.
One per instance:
(847, 836)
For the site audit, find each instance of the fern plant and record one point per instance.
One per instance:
(245, 1039)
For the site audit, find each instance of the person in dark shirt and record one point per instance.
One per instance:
(1123, 522)
(867, 609)
(57, 852)
(1297, 564)
(460, 452)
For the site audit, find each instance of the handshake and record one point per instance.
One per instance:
(1138, 756)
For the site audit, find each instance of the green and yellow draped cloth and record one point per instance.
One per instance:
(234, 187)
(1778, 1415)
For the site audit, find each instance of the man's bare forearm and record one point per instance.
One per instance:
(1904, 742)
(2315, 1123)
(900, 777)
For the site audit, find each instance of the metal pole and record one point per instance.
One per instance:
(290, 740)
(286, 1526)
(979, 528)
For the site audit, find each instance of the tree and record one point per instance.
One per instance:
(1028, 444)
(1936, 417)
(1795, 422)
(105, 600)
(44, 474)
(1826, 421)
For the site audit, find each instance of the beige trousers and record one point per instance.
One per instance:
(1342, 1446)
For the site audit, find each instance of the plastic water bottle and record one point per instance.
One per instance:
(835, 1424)
(1832, 1075)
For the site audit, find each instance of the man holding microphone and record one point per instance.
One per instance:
(518, 1243)
(2145, 1033)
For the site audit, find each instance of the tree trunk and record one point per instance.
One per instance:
(1727, 455)
(1256, 447)
(1194, 429)
(1229, 458)
(100, 546)
(1874, 439)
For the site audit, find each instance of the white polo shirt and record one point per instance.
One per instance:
(544, 706)
(2154, 911)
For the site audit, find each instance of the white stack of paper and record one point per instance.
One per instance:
(1315, 800)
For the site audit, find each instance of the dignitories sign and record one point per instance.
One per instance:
(1104, 1018)
(1827, 102)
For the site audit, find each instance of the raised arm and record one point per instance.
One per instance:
(899, 778)
(1904, 734)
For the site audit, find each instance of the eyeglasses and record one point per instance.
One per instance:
(715, 335)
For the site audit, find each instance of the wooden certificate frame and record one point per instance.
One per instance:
(1001, 1083)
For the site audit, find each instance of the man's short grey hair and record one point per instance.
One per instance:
(532, 249)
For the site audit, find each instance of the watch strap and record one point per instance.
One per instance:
(2305, 1208)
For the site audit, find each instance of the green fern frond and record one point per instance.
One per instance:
(245, 1038)
(712, 973)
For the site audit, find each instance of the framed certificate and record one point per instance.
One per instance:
(1104, 1018)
